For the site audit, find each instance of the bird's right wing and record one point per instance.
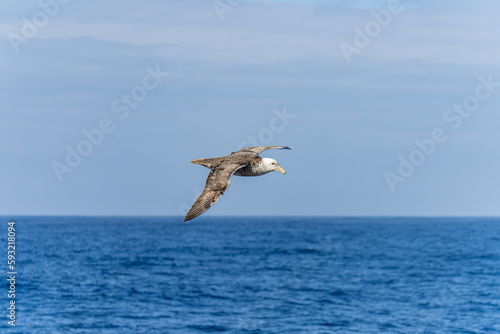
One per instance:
(218, 181)
(259, 149)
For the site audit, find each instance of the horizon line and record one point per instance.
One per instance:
(250, 216)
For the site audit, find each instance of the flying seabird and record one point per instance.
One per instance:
(245, 162)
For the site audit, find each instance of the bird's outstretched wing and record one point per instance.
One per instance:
(259, 149)
(218, 181)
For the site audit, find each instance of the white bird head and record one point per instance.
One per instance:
(271, 165)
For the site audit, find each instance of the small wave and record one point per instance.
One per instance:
(307, 251)
(209, 328)
(338, 292)
(340, 323)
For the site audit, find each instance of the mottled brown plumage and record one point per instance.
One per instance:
(245, 162)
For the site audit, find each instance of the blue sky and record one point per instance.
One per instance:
(350, 118)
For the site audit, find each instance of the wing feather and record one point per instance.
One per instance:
(259, 149)
(218, 181)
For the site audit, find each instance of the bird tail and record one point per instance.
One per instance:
(209, 163)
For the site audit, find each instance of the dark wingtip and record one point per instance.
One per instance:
(286, 148)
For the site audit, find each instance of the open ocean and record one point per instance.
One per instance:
(254, 275)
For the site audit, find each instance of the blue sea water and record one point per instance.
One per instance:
(254, 275)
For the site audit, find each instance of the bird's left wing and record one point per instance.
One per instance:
(218, 181)
(259, 149)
